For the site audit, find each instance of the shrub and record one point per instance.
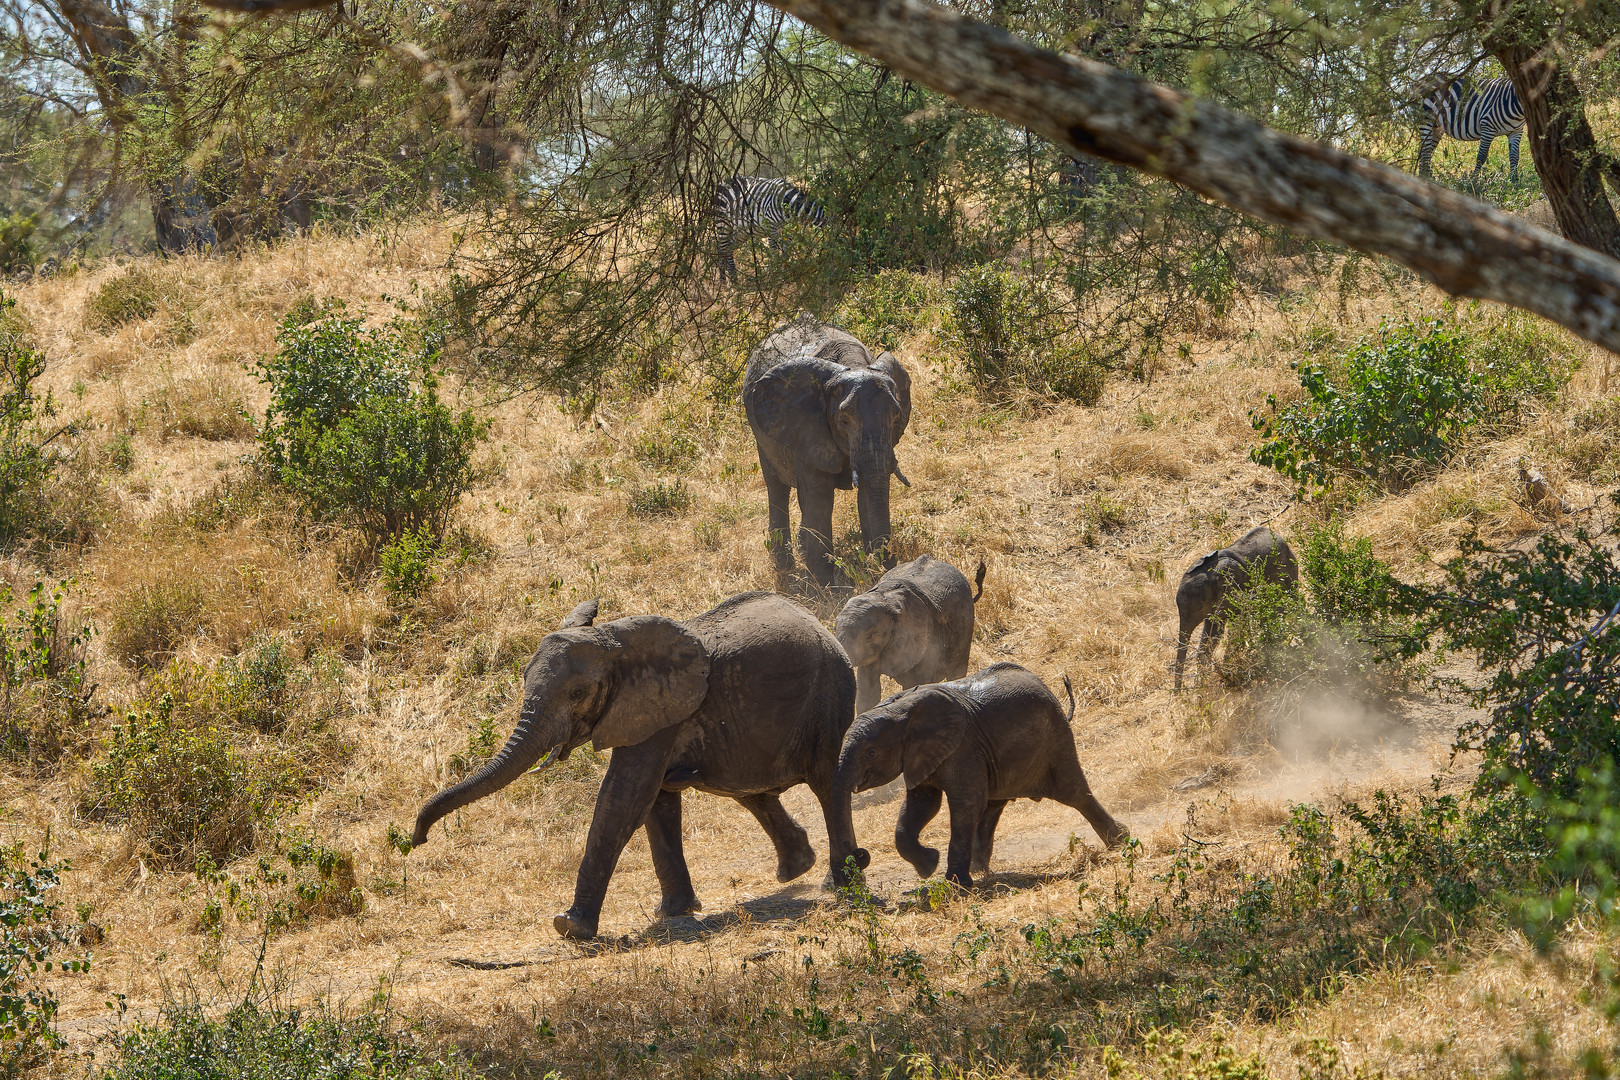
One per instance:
(17, 250)
(350, 436)
(1399, 403)
(29, 934)
(151, 620)
(406, 563)
(251, 1042)
(44, 702)
(882, 309)
(1008, 334)
(136, 294)
(27, 462)
(660, 500)
(184, 789)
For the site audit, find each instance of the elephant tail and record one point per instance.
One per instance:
(978, 581)
(1068, 688)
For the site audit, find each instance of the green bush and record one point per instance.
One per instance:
(44, 702)
(18, 253)
(136, 294)
(27, 462)
(406, 563)
(29, 934)
(1400, 402)
(250, 1042)
(348, 433)
(660, 500)
(886, 307)
(185, 788)
(1009, 335)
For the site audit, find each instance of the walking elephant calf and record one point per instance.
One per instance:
(979, 742)
(915, 625)
(746, 700)
(1206, 590)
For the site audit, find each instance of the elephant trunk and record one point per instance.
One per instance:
(1183, 636)
(528, 741)
(868, 683)
(874, 468)
(841, 821)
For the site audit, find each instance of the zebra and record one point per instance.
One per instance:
(1493, 109)
(746, 205)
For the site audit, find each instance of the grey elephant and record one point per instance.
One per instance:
(825, 416)
(914, 625)
(1206, 589)
(746, 700)
(979, 742)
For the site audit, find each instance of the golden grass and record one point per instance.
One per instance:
(198, 563)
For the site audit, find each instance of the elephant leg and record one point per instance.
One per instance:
(794, 854)
(778, 532)
(967, 810)
(1074, 791)
(669, 857)
(984, 842)
(815, 528)
(632, 784)
(922, 803)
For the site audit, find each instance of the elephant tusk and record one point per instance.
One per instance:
(901, 476)
(547, 761)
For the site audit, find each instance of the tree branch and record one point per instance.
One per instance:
(1461, 245)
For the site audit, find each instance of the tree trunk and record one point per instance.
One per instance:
(1562, 145)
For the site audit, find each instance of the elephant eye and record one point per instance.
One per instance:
(576, 693)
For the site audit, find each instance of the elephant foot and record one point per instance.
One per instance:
(1121, 834)
(574, 924)
(979, 866)
(794, 864)
(926, 862)
(840, 875)
(961, 879)
(673, 907)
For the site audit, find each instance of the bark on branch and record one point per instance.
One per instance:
(1461, 245)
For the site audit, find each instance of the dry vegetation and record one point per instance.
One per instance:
(1086, 517)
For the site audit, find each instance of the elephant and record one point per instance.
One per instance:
(914, 625)
(1208, 585)
(825, 415)
(981, 742)
(746, 700)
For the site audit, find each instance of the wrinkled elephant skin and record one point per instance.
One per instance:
(915, 625)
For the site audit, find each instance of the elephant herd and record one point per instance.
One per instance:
(756, 696)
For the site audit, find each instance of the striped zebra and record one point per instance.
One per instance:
(748, 205)
(1493, 109)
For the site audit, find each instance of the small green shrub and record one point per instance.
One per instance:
(665, 448)
(185, 789)
(348, 433)
(1400, 402)
(254, 1043)
(661, 500)
(301, 880)
(136, 294)
(29, 935)
(406, 562)
(1008, 334)
(883, 309)
(44, 702)
(27, 461)
(18, 253)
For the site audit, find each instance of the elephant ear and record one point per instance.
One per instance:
(789, 404)
(583, 615)
(913, 630)
(662, 676)
(887, 364)
(934, 729)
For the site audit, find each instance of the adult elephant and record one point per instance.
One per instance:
(746, 700)
(825, 415)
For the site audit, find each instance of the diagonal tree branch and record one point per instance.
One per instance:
(1461, 245)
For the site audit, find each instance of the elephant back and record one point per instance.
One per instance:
(806, 336)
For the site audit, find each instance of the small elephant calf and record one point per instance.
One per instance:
(915, 625)
(1207, 587)
(980, 742)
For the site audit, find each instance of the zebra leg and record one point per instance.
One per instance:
(1428, 139)
(724, 243)
(1484, 152)
(1513, 157)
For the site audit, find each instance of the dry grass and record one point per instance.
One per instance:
(1086, 518)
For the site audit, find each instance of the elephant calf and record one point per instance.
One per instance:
(825, 415)
(980, 742)
(915, 626)
(1207, 587)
